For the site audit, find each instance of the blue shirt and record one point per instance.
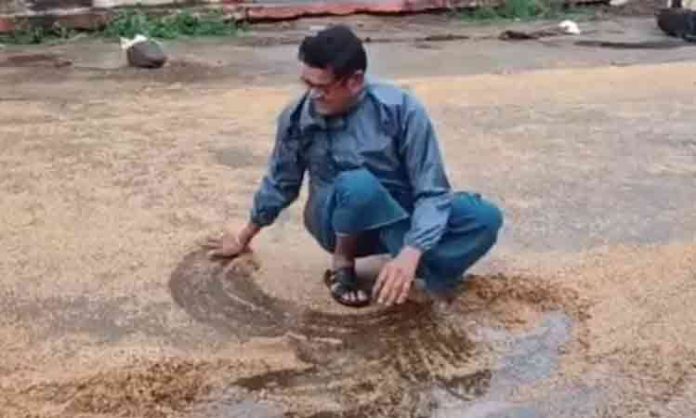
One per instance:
(388, 132)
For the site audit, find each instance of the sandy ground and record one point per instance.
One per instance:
(110, 176)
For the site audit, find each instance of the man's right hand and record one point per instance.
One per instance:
(231, 244)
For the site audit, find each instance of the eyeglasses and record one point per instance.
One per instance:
(323, 88)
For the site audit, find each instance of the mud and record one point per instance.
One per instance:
(634, 45)
(35, 60)
(158, 390)
(530, 357)
(379, 363)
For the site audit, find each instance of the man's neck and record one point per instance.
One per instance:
(354, 102)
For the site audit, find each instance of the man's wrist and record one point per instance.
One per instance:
(411, 256)
(249, 232)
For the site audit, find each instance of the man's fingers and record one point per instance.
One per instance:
(391, 286)
(382, 284)
(377, 288)
(405, 288)
(385, 296)
(211, 242)
(395, 290)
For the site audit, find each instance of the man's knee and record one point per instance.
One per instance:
(469, 211)
(358, 189)
(491, 218)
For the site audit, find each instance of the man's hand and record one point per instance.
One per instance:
(232, 244)
(395, 279)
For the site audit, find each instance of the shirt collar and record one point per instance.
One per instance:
(310, 119)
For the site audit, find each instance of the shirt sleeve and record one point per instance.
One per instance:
(283, 180)
(431, 188)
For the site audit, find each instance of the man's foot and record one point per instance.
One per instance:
(343, 284)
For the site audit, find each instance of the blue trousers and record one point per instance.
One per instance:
(360, 205)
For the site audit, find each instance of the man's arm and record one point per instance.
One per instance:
(283, 180)
(279, 188)
(431, 188)
(432, 202)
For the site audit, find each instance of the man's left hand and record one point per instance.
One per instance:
(396, 277)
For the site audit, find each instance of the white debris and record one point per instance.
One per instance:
(127, 43)
(618, 3)
(569, 27)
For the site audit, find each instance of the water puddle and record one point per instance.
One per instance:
(236, 157)
(235, 409)
(530, 357)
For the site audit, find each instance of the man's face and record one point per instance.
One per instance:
(331, 95)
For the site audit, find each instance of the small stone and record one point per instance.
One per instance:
(677, 22)
(146, 54)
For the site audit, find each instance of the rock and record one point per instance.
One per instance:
(143, 52)
(147, 54)
(677, 22)
(517, 35)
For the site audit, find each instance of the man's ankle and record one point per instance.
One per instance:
(339, 263)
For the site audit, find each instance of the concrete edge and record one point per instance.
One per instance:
(267, 12)
(95, 18)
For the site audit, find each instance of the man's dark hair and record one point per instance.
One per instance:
(336, 48)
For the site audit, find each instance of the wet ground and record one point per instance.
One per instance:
(111, 175)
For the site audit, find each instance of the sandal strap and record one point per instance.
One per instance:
(346, 277)
(344, 281)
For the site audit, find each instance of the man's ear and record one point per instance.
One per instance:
(356, 81)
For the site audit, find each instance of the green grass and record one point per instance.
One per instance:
(523, 10)
(130, 22)
(32, 35)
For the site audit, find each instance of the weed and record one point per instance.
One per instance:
(131, 22)
(27, 34)
(521, 10)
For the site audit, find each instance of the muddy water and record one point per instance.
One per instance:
(378, 363)
(529, 358)
(395, 353)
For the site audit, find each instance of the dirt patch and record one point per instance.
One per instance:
(35, 60)
(155, 391)
(237, 157)
(667, 44)
(176, 71)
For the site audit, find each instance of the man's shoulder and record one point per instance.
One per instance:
(291, 112)
(388, 93)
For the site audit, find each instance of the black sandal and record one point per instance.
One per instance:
(341, 282)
